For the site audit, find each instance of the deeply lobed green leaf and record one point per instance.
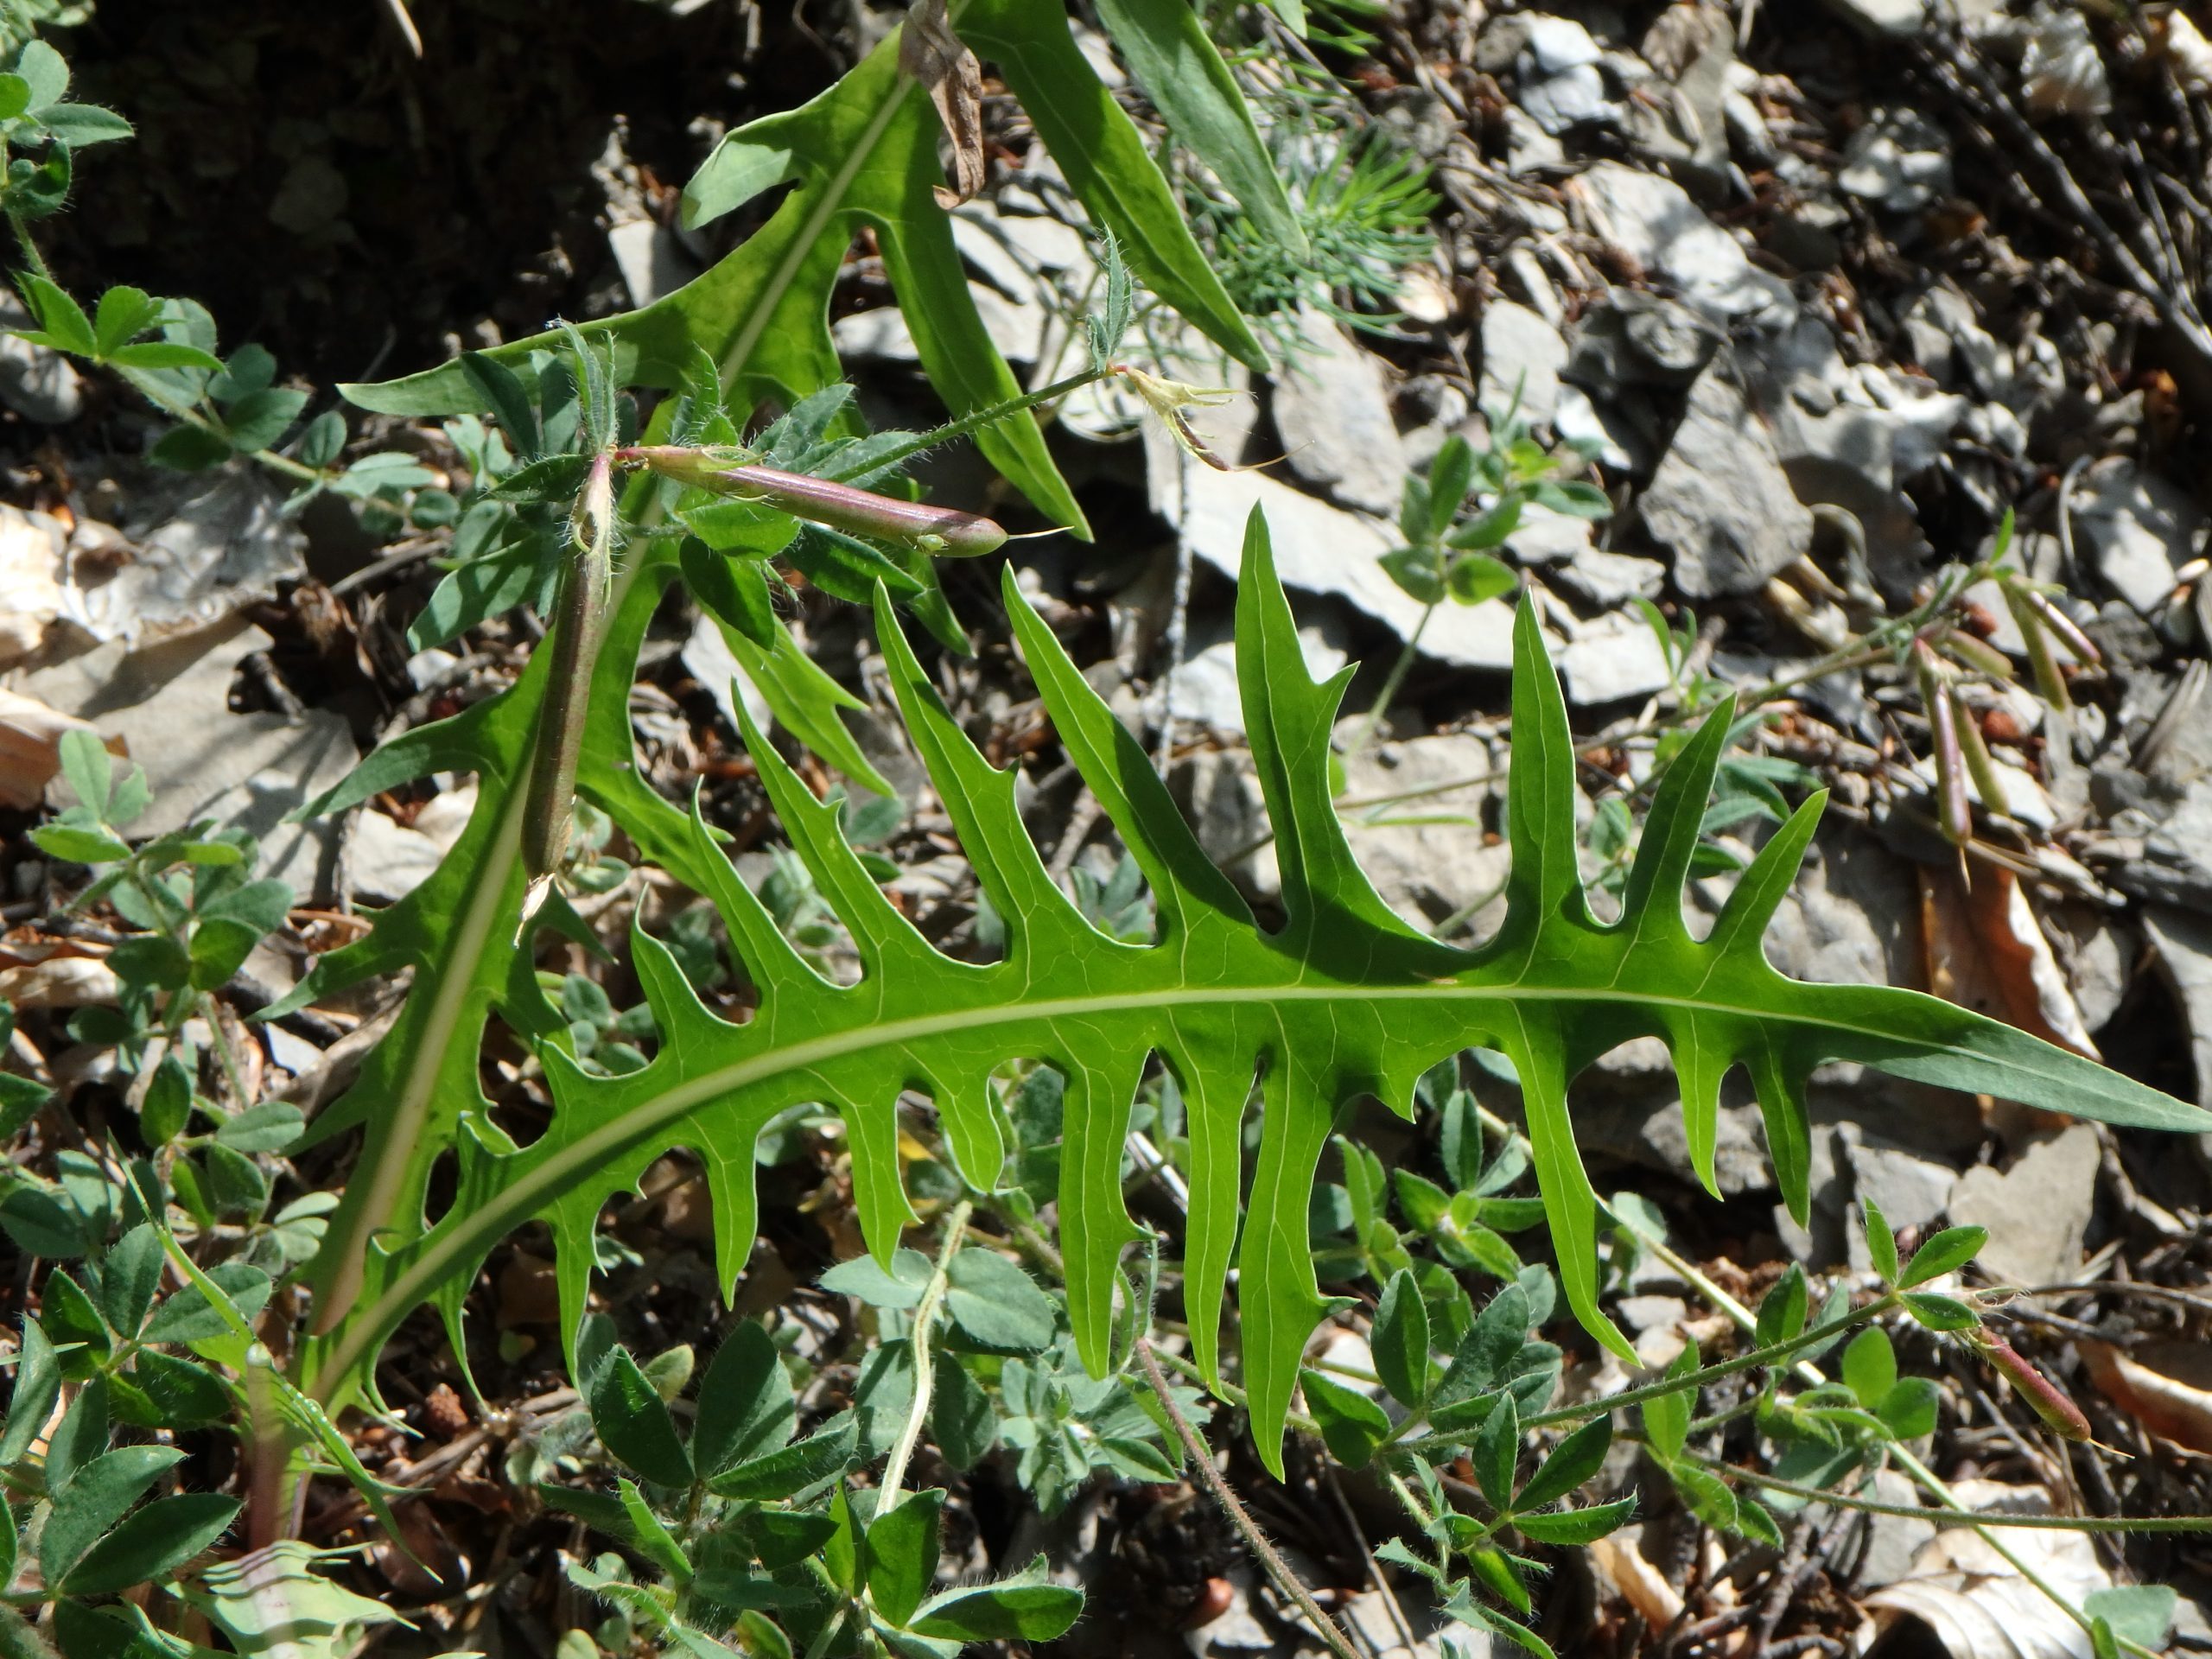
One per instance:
(1345, 999)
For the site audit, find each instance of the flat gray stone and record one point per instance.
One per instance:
(1900, 161)
(35, 381)
(1613, 658)
(1653, 221)
(2138, 530)
(1910, 1189)
(1893, 20)
(1203, 689)
(1520, 351)
(1633, 339)
(2184, 944)
(1720, 500)
(2037, 1210)
(1604, 580)
(1320, 548)
(168, 702)
(1332, 408)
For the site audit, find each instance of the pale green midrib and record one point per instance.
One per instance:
(397, 1142)
(517, 1203)
(833, 200)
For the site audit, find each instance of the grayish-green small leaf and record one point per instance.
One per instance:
(1881, 1242)
(1666, 1419)
(97, 1496)
(798, 1466)
(902, 1553)
(900, 1286)
(633, 1420)
(1025, 1609)
(37, 1387)
(961, 1423)
(151, 1544)
(1939, 1312)
(1947, 1252)
(747, 1408)
(187, 1316)
(1869, 1367)
(1782, 1313)
(1399, 1340)
(130, 1274)
(1485, 1355)
(1575, 1459)
(1494, 1451)
(1352, 1424)
(1577, 1526)
(997, 1305)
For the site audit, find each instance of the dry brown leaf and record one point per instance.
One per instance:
(30, 747)
(931, 53)
(1976, 1603)
(1619, 1555)
(31, 546)
(2165, 1386)
(59, 982)
(1986, 951)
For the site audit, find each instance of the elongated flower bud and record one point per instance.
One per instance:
(823, 501)
(1977, 654)
(2050, 682)
(2047, 1401)
(2069, 632)
(1980, 766)
(1954, 812)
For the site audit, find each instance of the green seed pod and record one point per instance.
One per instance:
(2047, 1400)
(840, 507)
(2051, 683)
(1988, 782)
(2069, 632)
(1977, 654)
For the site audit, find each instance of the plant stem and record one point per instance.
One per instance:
(1202, 1455)
(983, 418)
(895, 1472)
(1984, 1527)
(1699, 1378)
(827, 1634)
(1399, 670)
(2095, 1524)
(1230, 1392)
(32, 257)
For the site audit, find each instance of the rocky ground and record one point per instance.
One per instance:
(1823, 291)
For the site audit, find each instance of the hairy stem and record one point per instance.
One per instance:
(968, 425)
(32, 257)
(895, 1472)
(2100, 1523)
(1811, 1337)
(1202, 1455)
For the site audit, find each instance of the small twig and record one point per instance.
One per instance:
(1380, 708)
(2066, 510)
(1202, 1455)
(1374, 1574)
(400, 20)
